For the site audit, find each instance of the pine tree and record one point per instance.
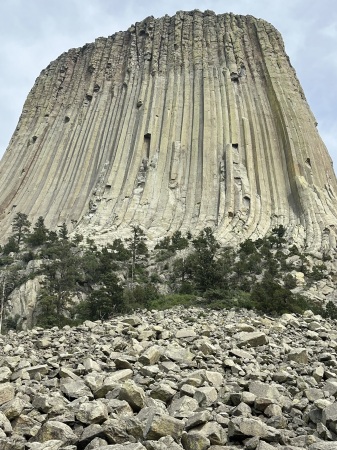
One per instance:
(20, 226)
(138, 249)
(39, 234)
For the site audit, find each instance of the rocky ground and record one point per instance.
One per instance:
(182, 378)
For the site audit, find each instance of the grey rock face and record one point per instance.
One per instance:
(98, 112)
(166, 393)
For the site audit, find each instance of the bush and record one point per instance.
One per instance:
(330, 310)
(140, 296)
(171, 301)
(11, 247)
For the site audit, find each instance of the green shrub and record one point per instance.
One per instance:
(171, 301)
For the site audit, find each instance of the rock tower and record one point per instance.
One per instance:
(180, 122)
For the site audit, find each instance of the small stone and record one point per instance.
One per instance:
(150, 356)
(206, 396)
(195, 441)
(242, 426)
(163, 425)
(185, 333)
(299, 355)
(74, 389)
(92, 412)
(56, 430)
(251, 339)
(5, 374)
(133, 394)
(6, 393)
(162, 392)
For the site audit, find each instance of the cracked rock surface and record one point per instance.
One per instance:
(178, 123)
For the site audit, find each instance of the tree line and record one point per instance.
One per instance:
(81, 281)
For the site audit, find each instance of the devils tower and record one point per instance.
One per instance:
(180, 123)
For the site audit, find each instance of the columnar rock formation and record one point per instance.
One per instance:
(178, 123)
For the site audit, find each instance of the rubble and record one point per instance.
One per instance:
(120, 385)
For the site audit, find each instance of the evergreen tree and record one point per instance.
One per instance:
(102, 303)
(206, 270)
(61, 276)
(11, 246)
(138, 249)
(20, 227)
(39, 234)
(63, 232)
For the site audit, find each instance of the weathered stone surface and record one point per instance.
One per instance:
(7, 392)
(92, 412)
(133, 394)
(183, 406)
(323, 446)
(114, 431)
(13, 408)
(195, 441)
(163, 392)
(213, 155)
(198, 419)
(214, 432)
(163, 425)
(252, 339)
(241, 426)
(150, 356)
(329, 417)
(206, 396)
(5, 374)
(54, 430)
(53, 444)
(298, 355)
(75, 389)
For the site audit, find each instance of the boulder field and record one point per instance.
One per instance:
(190, 379)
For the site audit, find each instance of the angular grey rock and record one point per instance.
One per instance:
(323, 446)
(213, 431)
(158, 426)
(115, 431)
(132, 394)
(5, 374)
(251, 339)
(92, 412)
(5, 424)
(163, 392)
(7, 392)
(54, 430)
(198, 418)
(185, 333)
(195, 441)
(74, 389)
(206, 395)
(91, 433)
(183, 406)
(329, 417)
(264, 390)
(53, 444)
(151, 355)
(299, 355)
(13, 408)
(242, 426)
(179, 354)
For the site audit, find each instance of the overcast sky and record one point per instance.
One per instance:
(35, 32)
